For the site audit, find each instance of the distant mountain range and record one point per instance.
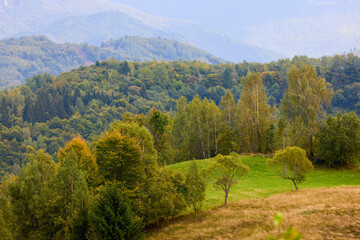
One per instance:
(95, 21)
(21, 58)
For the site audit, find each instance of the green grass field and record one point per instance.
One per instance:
(262, 181)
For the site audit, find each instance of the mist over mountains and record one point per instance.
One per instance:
(95, 21)
(256, 32)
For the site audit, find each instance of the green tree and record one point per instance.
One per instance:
(291, 163)
(339, 140)
(143, 140)
(226, 172)
(304, 106)
(228, 107)
(113, 218)
(160, 198)
(195, 187)
(31, 198)
(255, 115)
(157, 124)
(72, 199)
(118, 158)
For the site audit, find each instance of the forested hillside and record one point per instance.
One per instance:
(48, 111)
(83, 155)
(24, 57)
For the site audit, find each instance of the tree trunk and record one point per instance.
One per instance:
(311, 143)
(226, 196)
(259, 139)
(296, 188)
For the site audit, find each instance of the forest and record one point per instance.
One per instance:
(22, 58)
(90, 147)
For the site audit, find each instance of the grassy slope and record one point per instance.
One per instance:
(262, 181)
(323, 213)
(317, 211)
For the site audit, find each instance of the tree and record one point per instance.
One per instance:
(195, 187)
(304, 105)
(5, 112)
(228, 107)
(118, 159)
(254, 113)
(339, 140)
(157, 124)
(113, 218)
(31, 198)
(143, 140)
(291, 163)
(226, 172)
(87, 160)
(160, 198)
(71, 203)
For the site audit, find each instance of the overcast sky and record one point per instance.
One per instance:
(229, 16)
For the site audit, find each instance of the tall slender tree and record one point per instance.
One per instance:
(304, 106)
(254, 113)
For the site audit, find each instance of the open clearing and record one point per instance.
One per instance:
(263, 182)
(324, 213)
(327, 206)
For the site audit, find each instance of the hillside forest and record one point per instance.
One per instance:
(22, 58)
(89, 147)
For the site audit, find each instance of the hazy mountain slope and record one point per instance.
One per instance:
(95, 21)
(22, 58)
(146, 49)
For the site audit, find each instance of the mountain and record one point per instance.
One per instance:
(94, 21)
(21, 58)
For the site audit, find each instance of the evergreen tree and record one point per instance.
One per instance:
(113, 218)
(5, 112)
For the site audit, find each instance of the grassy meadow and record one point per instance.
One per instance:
(326, 206)
(263, 182)
(321, 213)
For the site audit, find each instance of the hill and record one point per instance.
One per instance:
(26, 56)
(47, 111)
(96, 21)
(325, 213)
(263, 182)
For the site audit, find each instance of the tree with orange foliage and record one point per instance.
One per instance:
(87, 160)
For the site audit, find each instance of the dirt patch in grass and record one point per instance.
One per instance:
(325, 213)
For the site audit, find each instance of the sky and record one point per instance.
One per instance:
(230, 16)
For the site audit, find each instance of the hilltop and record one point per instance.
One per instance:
(21, 58)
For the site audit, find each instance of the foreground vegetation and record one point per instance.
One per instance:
(324, 213)
(263, 182)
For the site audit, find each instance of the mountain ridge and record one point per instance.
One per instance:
(21, 58)
(60, 22)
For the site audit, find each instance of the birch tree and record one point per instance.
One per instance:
(254, 113)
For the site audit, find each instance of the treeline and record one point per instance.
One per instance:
(111, 190)
(47, 112)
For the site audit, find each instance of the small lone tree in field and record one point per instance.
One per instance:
(195, 187)
(226, 172)
(291, 163)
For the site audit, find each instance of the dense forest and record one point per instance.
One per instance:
(48, 111)
(22, 58)
(87, 148)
